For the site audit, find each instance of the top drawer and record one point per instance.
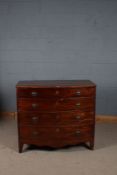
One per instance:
(55, 92)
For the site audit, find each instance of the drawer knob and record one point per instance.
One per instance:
(34, 119)
(77, 117)
(34, 93)
(57, 130)
(57, 92)
(34, 105)
(35, 133)
(78, 92)
(77, 132)
(77, 104)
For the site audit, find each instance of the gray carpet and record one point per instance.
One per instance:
(70, 161)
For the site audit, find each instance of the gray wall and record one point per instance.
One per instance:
(59, 39)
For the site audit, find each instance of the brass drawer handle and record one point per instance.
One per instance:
(35, 133)
(78, 132)
(34, 105)
(34, 93)
(78, 92)
(77, 104)
(34, 119)
(78, 117)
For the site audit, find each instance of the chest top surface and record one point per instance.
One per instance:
(55, 83)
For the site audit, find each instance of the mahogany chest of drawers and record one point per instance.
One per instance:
(56, 113)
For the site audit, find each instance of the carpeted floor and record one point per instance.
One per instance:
(70, 161)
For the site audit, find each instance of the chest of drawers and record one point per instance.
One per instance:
(56, 113)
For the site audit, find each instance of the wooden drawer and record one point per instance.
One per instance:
(45, 133)
(55, 92)
(55, 118)
(56, 104)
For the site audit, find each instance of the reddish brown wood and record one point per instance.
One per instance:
(55, 92)
(61, 104)
(59, 142)
(55, 133)
(56, 83)
(55, 118)
(56, 113)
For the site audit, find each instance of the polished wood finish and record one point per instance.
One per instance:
(55, 118)
(56, 84)
(55, 92)
(98, 118)
(56, 104)
(56, 113)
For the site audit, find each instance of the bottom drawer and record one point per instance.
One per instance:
(54, 133)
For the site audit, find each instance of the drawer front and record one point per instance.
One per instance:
(45, 133)
(54, 104)
(55, 118)
(55, 92)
